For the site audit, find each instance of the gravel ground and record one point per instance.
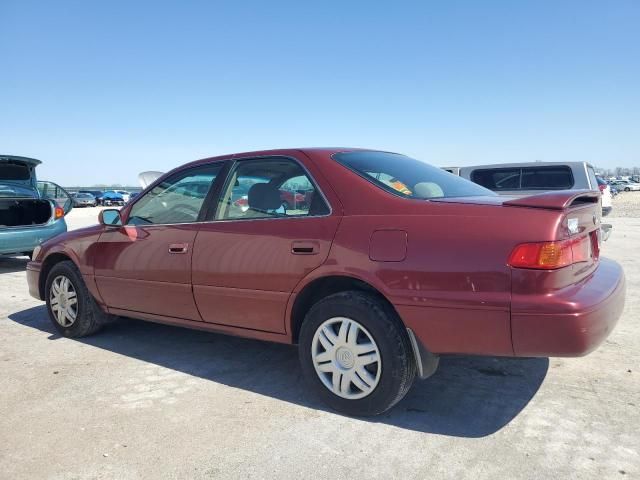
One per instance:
(626, 204)
(147, 401)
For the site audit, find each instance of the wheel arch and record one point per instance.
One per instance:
(49, 262)
(321, 287)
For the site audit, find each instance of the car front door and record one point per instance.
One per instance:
(258, 245)
(59, 195)
(145, 265)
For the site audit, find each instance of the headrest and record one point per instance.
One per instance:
(264, 196)
(428, 190)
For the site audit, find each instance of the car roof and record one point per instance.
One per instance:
(274, 152)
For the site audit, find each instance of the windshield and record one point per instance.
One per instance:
(407, 177)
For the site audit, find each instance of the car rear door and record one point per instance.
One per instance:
(145, 264)
(248, 259)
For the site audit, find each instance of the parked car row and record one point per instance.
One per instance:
(625, 185)
(92, 198)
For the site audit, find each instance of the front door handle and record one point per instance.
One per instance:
(305, 247)
(178, 248)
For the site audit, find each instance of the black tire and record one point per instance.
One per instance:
(627, 189)
(90, 317)
(380, 320)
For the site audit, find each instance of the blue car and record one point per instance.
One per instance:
(31, 212)
(112, 198)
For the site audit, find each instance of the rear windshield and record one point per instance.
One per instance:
(524, 178)
(408, 177)
(14, 171)
(9, 191)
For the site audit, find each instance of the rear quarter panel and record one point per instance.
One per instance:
(453, 286)
(24, 239)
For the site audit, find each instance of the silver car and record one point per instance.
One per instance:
(522, 179)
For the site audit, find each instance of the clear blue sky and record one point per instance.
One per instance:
(103, 90)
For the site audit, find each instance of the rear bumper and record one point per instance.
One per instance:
(574, 321)
(33, 279)
(14, 240)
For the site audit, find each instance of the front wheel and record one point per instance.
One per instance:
(356, 354)
(72, 309)
(627, 189)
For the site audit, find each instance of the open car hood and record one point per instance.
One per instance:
(147, 178)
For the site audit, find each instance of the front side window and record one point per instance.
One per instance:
(269, 188)
(178, 199)
(407, 177)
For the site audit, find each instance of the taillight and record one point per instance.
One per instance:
(602, 188)
(552, 255)
(58, 213)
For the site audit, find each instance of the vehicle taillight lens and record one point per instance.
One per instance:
(552, 255)
(59, 213)
(602, 187)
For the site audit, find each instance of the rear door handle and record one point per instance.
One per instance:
(178, 248)
(302, 247)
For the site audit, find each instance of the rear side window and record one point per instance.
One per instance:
(407, 177)
(273, 187)
(525, 178)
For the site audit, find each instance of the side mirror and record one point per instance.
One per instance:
(110, 217)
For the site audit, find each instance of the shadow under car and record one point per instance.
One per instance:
(13, 264)
(467, 397)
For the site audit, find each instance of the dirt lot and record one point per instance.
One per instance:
(148, 401)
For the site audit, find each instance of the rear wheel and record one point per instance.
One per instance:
(627, 189)
(355, 353)
(72, 309)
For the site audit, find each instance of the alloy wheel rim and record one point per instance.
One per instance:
(64, 301)
(346, 358)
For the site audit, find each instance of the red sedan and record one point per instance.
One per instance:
(389, 264)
